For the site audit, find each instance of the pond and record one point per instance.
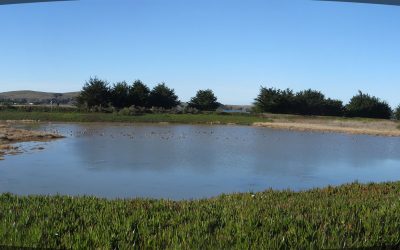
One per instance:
(190, 161)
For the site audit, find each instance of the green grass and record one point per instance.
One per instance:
(209, 118)
(348, 216)
(241, 119)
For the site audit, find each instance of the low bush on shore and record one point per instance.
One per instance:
(38, 108)
(348, 216)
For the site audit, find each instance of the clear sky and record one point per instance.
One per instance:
(230, 46)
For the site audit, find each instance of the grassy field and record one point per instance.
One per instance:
(348, 216)
(375, 127)
(241, 119)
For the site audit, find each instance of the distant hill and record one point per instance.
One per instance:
(28, 96)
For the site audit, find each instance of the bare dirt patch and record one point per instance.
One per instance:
(349, 126)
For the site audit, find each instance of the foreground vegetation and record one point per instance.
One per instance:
(348, 216)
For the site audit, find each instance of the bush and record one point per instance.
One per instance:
(190, 110)
(205, 100)
(176, 110)
(40, 108)
(364, 105)
(132, 110)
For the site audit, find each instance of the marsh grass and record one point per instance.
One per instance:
(348, 216)
(206, 118)
(212, 118)
(294, 118)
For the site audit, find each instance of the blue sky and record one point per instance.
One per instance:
(230, 46)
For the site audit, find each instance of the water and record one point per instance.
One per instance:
(186, 161)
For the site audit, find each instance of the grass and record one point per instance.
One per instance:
(242, 119)
(294, 118)
(348, 216)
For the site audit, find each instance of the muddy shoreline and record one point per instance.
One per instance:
(10, 135)
(373, 128)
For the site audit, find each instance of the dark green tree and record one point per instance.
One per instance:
(273, 100)
(163, 97)
(333, 107)
(139, 94)
(309, 102)
(397, 113)
(312, 102)
(120, 95)
(364, 105)
(204, 100)
(95, 92)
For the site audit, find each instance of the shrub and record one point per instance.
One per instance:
(39, 108)
(175, 110)
(205, 100)
(190, 110)
(364, 105)
(132, 110)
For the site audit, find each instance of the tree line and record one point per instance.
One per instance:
(99, 93)
(312, 102)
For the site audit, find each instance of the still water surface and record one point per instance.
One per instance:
(186, 161)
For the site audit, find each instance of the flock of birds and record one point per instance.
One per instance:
(133, 133)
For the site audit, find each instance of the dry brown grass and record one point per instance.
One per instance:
(333, 125)
(10, 135)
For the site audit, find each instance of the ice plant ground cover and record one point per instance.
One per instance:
(354, 215)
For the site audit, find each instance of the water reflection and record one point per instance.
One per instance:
(184, 161)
